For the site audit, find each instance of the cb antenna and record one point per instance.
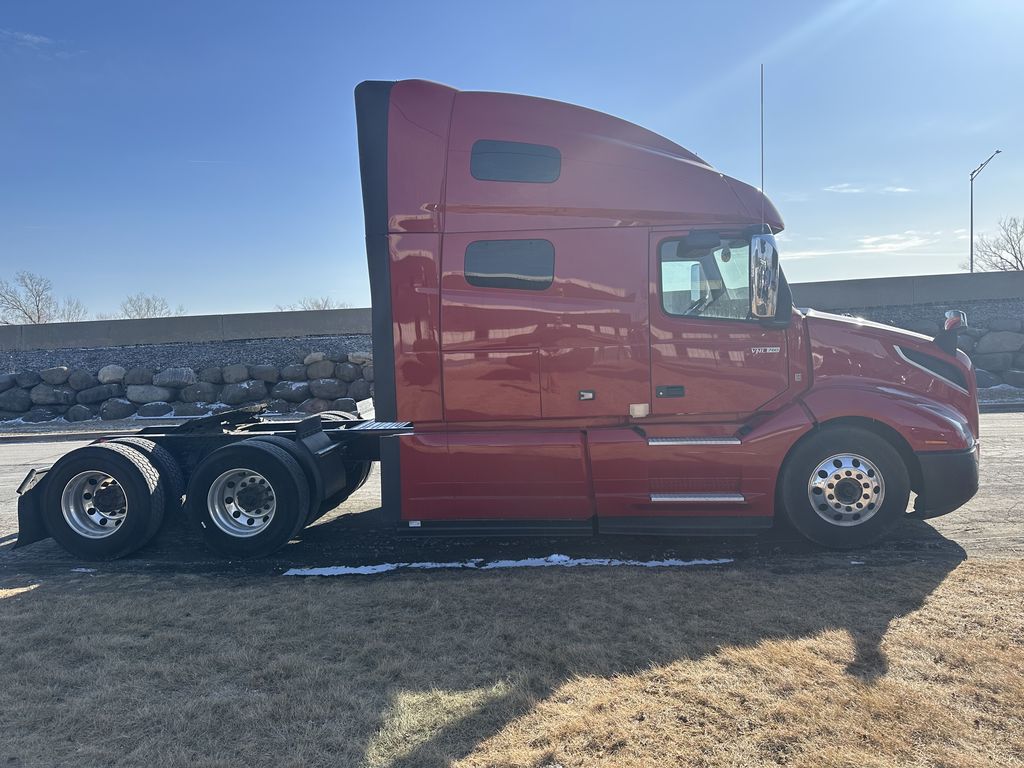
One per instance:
(762, 149)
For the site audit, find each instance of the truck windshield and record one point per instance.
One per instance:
(706, 281)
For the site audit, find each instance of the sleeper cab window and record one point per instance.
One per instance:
(515, 161)
(526, 265)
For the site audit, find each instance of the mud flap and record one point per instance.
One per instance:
(31, 526)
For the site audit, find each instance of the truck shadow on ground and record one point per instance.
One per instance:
(589, 627)
(358, 538)
(420, 669)
(354, 539)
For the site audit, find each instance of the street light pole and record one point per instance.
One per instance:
(974, 175)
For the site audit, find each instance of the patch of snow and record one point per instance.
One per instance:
(568, 562)
(856, 562)
(344, 570)
(435, 566)
(83, 570)
(556, 560)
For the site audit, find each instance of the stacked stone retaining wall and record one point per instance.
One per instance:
(304, 381)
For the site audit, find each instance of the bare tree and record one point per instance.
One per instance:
(1005, 251)
(313, 302)
(140, 305)
(29, 300)
(71, 310)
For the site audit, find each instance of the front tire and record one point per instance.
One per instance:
(844, 487)
(248, 499)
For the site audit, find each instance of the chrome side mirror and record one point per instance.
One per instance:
(764, 276)
(946, 338)
(954, 319)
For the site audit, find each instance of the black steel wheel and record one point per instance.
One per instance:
(844, 487)
(248, 499)
(101, 501)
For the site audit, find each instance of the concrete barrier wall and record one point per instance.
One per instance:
(192, 329)
(904, 291)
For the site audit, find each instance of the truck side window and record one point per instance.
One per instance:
(515, 161)
(527, 265)
(706, 281)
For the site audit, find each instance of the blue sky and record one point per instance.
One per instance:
(205, 151)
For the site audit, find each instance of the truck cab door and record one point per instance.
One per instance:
(708, 355)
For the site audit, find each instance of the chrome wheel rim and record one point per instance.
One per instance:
(94, 504)
(241, 503)
(846, 490)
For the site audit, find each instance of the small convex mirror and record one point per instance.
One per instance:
(764, 276)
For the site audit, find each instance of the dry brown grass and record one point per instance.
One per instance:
(913, 663)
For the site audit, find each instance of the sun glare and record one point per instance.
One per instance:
(5, 593)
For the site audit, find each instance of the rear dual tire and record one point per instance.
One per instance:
(172, 479)
(310, 470)
(103, 501)
(356, 472)
(248, 499)
(171, 476)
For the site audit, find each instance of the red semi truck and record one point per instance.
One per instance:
(578, 327)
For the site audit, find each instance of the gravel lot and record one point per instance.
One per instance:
(989, 526)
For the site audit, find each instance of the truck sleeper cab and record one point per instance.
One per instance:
(590, 331)
(578, 327)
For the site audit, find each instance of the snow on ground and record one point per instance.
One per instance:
(559, 561)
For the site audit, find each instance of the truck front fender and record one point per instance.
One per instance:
(925, 424)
